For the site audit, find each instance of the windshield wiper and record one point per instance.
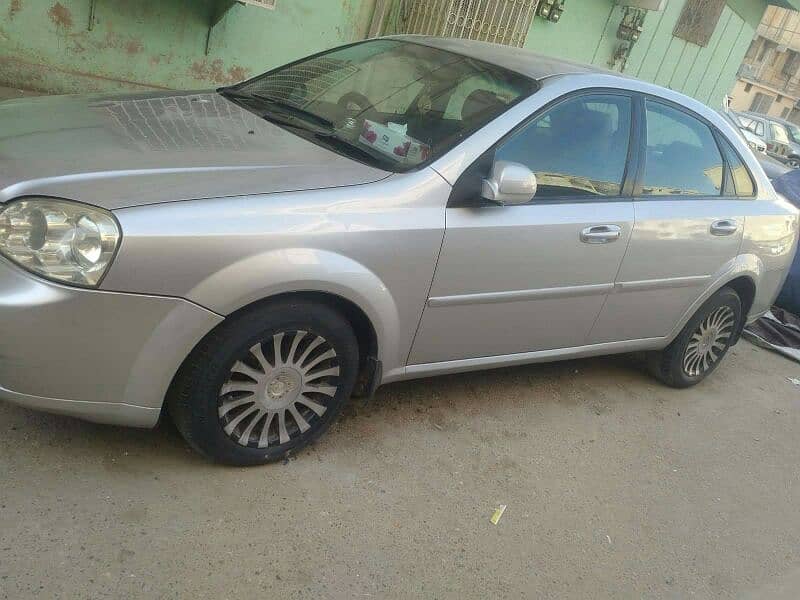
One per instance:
(281, 105)
(288, 108)
(289, 120)
(351, 150)
(297, 118)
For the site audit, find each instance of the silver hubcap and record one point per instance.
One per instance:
(276, 391)
(709, 342)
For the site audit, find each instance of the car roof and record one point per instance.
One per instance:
(781, 121)
(539, 67)
(536, 66)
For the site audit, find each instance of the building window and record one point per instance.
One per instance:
(791, 64)
(779, 98)
(765, 48)
(698, 20)
(748, 87)
(761, 103)
(785, 113)
(752, 49)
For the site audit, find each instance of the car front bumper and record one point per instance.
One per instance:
(102, 356)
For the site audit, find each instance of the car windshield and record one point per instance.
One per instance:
(388, 103)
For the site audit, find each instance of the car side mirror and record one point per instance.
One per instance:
(510, 183)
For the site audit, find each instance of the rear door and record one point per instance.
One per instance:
(688, 225)
(530, 277)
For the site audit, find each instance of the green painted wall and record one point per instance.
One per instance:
(587, 33)
(46, 44)
(706, 73)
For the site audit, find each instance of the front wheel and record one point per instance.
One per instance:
(703, 342)
(266, 383)
(793, 162)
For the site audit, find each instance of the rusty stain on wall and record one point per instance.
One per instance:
(215, 71)
(127, 47)
(16, 6)
(118, 41)
(134, 47)
(60, 15)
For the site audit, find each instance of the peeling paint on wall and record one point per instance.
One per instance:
(215, 72)
(14, 8)
(60, 15)
(162, 43)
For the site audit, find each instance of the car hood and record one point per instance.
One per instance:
(133, 149)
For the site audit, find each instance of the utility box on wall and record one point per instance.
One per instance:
(645, 4)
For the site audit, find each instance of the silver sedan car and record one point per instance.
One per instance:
(248, 259)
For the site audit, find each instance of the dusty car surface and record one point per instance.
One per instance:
(248, 258)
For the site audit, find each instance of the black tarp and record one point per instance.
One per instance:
(779, 329)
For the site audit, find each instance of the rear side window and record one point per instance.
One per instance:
(577, 148)
(682, 155)
(740, 176)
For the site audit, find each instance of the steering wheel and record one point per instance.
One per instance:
(356, 105)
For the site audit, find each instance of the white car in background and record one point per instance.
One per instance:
(756, 143)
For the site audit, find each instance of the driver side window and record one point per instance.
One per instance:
(577, 148)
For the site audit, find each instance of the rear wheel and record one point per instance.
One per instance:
(702, 343)
(266, 383)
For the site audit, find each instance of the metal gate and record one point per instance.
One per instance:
(499, 21)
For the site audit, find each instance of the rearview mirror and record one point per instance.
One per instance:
(510, 183)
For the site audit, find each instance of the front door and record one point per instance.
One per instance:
(690, 216)
(514, 279)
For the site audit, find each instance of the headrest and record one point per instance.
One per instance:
(480, 102)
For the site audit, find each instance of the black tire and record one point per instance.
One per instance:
(668, 365)
(196, 397)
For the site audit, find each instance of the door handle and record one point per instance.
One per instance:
(600, 234)
(724, 227)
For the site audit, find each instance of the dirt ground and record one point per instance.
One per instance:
(616, 487)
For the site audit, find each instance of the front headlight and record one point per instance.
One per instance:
(65, 241)
(753, 146)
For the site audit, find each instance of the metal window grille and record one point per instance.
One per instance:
(499, 21)
(270, 4)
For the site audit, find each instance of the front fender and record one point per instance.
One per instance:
(304, 269)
